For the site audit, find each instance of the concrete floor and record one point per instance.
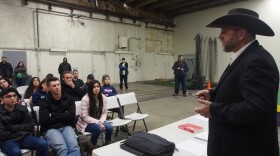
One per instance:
(158, 101)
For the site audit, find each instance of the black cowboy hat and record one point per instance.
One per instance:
(243, 18)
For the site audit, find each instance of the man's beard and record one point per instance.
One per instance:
(229, 46)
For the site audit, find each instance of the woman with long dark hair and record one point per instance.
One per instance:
(32, 87)
(93, 114)
(20, 74)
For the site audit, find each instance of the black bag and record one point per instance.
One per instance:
(146, 144)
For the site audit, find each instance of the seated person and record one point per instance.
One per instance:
(16, 127)
(77, 82)
(109, 90)
(40, 93)
(32, 87)
(69, 88)
(57, 115)
(93, 115)
(5, 83)
(90, 78)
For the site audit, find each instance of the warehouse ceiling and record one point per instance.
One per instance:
(173, 8)
(160, 12)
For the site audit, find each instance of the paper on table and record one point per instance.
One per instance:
(193, 147)
(202, 136)
(199, 117)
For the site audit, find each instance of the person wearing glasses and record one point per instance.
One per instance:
(69, 88)
(93, 115)
(16, 127)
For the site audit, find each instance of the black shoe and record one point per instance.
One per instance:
(123, 129)
(89, 147)
(175, 94)
(184, 95)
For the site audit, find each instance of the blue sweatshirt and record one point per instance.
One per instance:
(37, 96)
(108, 90)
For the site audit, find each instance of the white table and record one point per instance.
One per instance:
(170, 132)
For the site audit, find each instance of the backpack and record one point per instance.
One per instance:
(146, 144)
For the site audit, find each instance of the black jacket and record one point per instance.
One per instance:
(63, 112)
(6, 70)
(77, 93)
(183, 66)
(15, 125)
(244, 121)
(64, 67)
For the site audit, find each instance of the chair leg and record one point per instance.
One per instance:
(79, 143)
(145, 125)
(127, 130)
(112, 115)
(134, 125)
(117, 131)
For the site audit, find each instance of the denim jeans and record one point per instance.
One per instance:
(183, 81)
(96, 130)
(63, 141)
(12, 148)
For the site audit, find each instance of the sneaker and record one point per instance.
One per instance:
(175, 94)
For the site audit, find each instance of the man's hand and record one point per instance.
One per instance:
(70, 84)
(203, 94)
(204, 110)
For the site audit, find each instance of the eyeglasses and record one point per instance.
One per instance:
(11, 96)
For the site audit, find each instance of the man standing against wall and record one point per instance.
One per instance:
(6, 69)
(123, 73)
(64, 66)
(242, 109)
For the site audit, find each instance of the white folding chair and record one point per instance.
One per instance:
(78, 112)
(23, 152)
(129, 99)
(21, 90)
(27, 102)
(112, 102)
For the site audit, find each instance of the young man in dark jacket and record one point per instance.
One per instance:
(16, 127)
(69, 88)
(6, 69)
(64, 66)
(57, 115)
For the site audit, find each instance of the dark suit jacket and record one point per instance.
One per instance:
(244, 117)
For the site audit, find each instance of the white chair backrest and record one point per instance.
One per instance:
(22, 89)
(112, 102)
(78, 107)
(127, 99)
(36, 109)
(27, 101)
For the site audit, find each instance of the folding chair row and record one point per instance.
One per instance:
(130, 99)
(122, 100)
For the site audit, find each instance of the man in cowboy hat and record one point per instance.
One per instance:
(242, 109)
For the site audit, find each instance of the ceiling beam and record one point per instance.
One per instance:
(144, 2)
(163, 3)
(127, 1)
(197, 7)
(178, 5)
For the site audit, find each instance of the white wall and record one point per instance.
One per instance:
(191, 24)
(90, 47)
